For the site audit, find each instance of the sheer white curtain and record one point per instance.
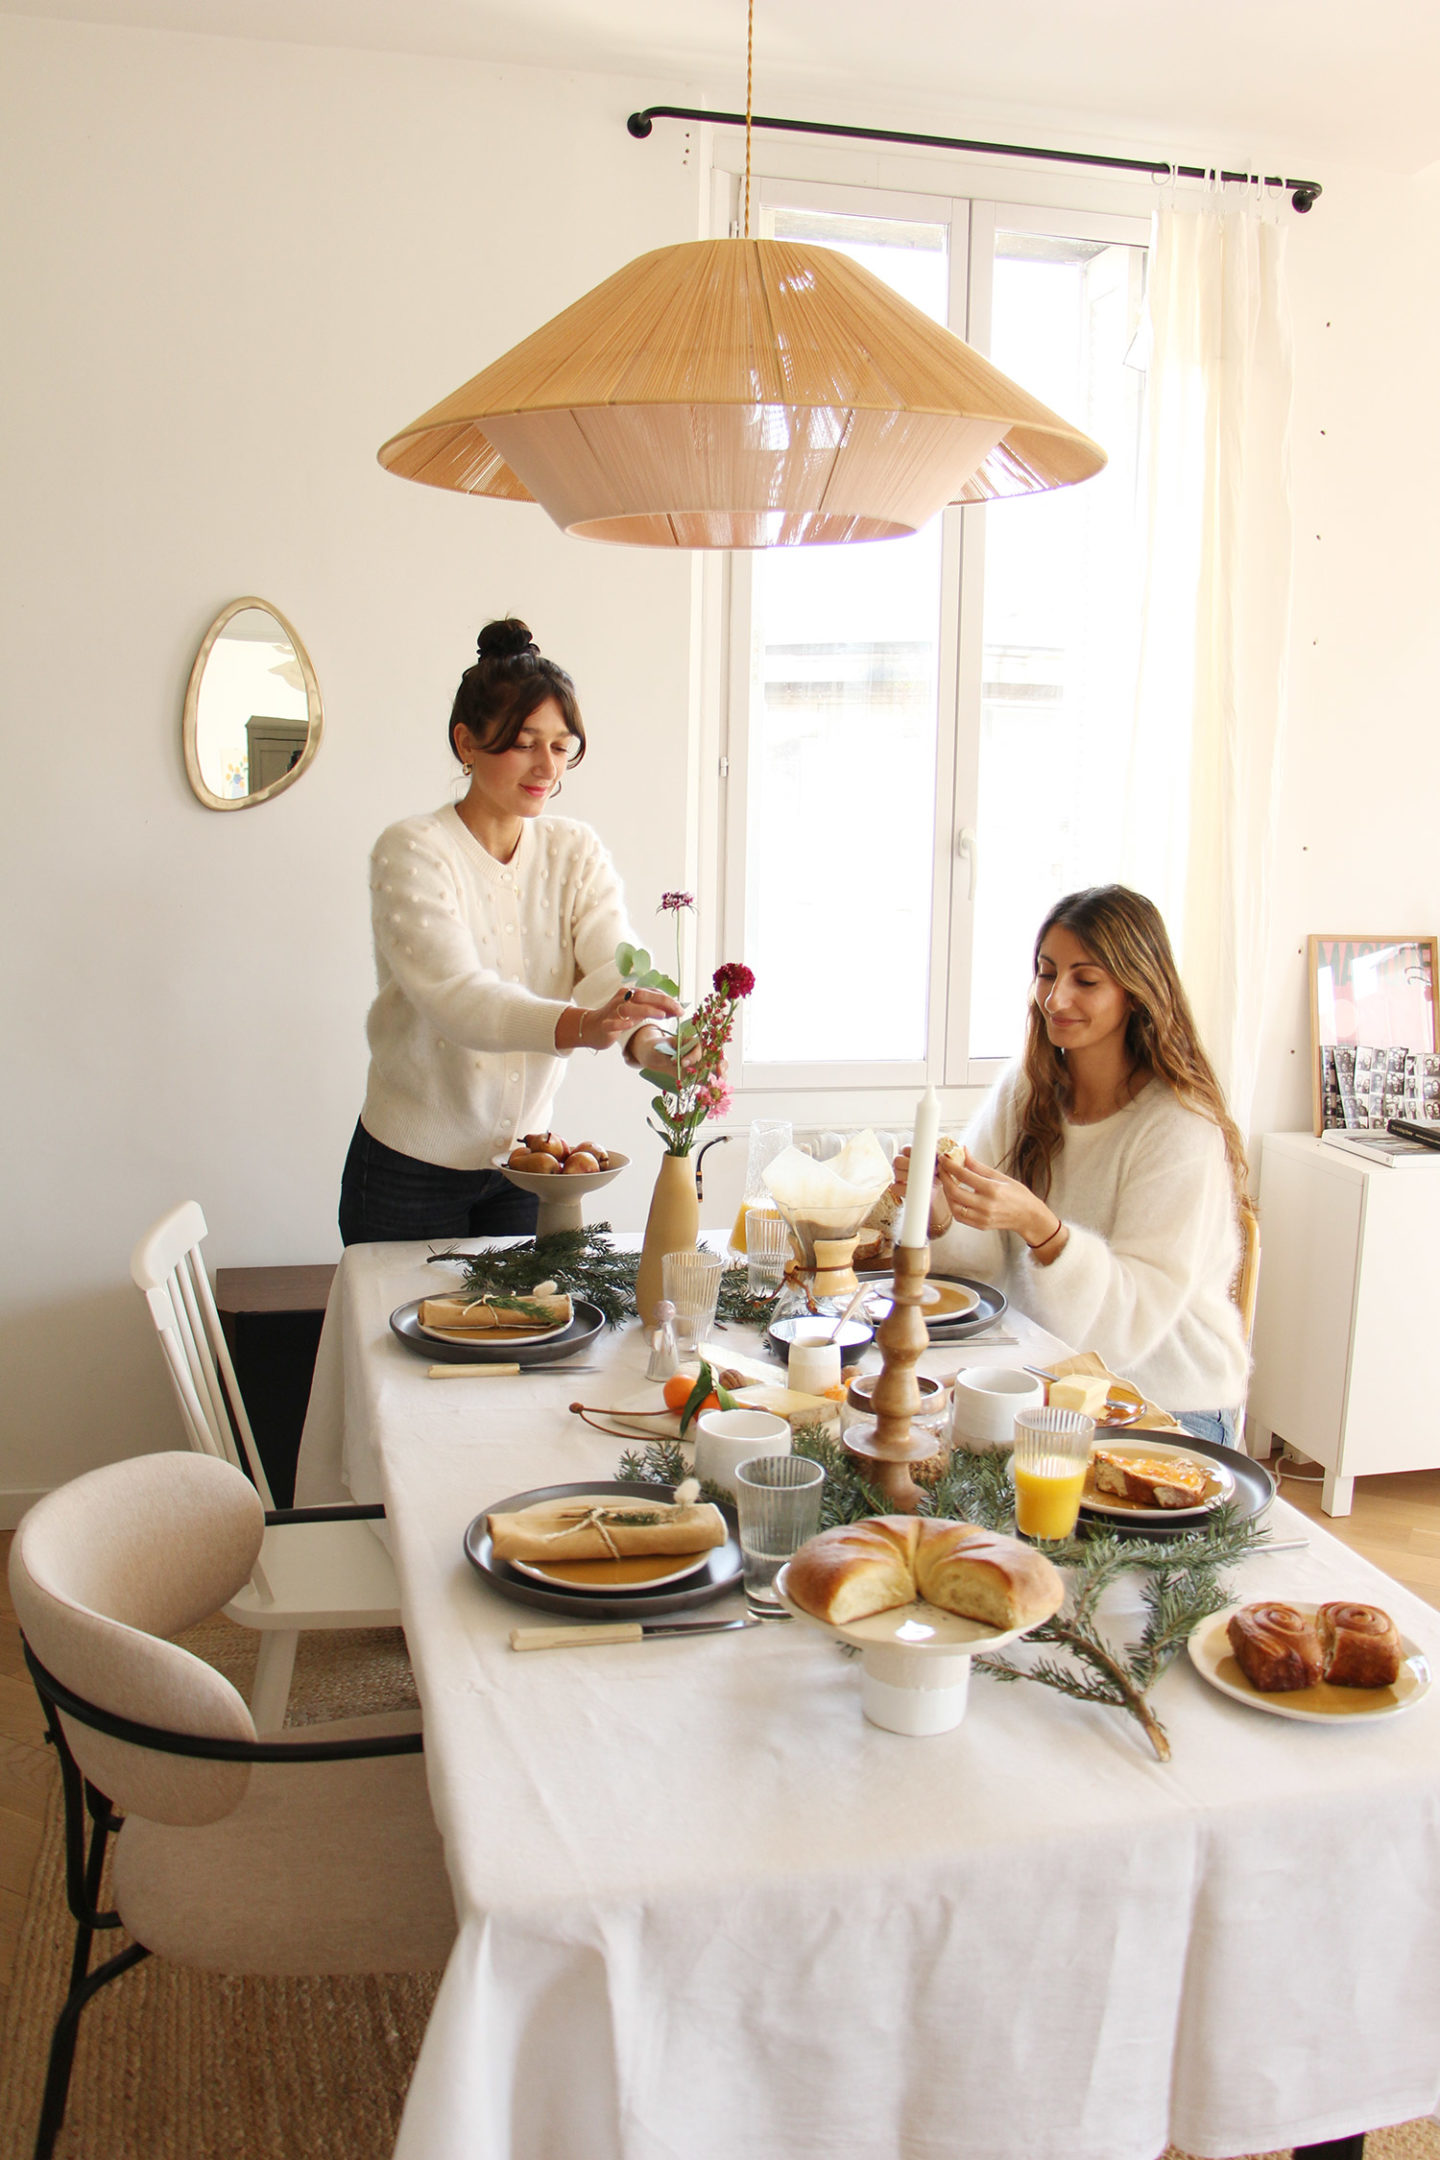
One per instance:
(1210, 700)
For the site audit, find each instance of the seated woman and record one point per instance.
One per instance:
(1100, 1181)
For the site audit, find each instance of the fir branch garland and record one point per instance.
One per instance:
(738, 1305)
(583, 1262)
(588, 1264)
(1182, 1576)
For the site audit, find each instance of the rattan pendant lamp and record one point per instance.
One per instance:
(742, 394)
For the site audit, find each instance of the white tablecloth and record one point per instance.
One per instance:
(709, 1913)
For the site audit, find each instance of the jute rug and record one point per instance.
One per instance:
(177, 2065)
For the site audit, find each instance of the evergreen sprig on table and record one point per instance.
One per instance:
(589, 1265)
(1182, 1574)
(583, 1262)
(1182, 1586)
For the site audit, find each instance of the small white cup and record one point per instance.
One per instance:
(812, 1367)
(984, 1400)
(726, 1438)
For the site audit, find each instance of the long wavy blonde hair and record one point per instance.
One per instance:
(1125, 933)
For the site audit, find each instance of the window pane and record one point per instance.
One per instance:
(841, 810)
(1062, 595)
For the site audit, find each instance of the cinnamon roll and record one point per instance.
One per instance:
(1276, 1647)
(1360, 1645)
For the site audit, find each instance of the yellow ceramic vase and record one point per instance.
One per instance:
(673, 1225)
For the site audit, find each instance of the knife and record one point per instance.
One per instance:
(619, 1631)
(502, 1372)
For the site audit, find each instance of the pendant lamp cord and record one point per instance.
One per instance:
(749, 106)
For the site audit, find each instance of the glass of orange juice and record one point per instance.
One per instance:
(1052, 1455)
(769, 1137)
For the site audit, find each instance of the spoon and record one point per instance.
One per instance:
(850, 1310)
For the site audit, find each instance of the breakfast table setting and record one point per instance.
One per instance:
(712, 1900)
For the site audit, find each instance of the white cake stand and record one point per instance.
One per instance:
(915, 1663)
(561, 1198)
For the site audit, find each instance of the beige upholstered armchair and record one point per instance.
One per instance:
(313, 1852)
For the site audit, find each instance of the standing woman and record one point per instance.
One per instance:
(495, 933)
(1101, 1180)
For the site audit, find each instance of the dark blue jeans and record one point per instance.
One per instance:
(386, 1198)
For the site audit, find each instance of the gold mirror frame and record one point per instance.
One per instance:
(190, 724)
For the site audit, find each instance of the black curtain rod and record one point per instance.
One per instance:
(1303, 193)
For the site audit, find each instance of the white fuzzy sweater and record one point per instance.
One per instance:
(1145, 1276)
(476, 961)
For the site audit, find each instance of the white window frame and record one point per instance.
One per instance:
(880, 1090)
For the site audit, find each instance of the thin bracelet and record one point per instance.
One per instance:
(1059, 1226)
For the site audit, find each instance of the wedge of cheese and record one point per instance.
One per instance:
(796, 1409)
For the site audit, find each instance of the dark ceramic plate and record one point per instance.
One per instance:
(586, 1322)
(724, 1567)
(1255, 1488)
(854, 1338)
(992, 1304)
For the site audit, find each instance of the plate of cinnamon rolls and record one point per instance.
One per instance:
(1321, 1664)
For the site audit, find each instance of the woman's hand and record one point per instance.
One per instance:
(580, 1028)
(655, 1048)
(984, 1199)
(980, 1198)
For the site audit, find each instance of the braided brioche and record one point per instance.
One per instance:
(890, 1560)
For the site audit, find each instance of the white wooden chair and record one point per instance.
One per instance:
(1246, 1287)
(318, 1567)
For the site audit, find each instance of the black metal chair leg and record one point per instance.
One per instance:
(62, 2046)
(1347, 2148)
(84, 1873)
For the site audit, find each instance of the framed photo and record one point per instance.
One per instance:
(1368, 995)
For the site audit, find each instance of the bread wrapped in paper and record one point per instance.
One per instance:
(495, 1315)
(604, 1526)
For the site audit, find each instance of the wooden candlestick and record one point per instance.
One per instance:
(888, 1451)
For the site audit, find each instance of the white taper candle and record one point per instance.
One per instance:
(922, 1170)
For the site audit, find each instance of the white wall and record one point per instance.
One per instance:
(1357, 847)
(229, 271)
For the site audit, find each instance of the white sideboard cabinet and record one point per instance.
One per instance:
(1346, 1324)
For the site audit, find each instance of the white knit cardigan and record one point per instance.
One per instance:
(476, 960)
(1154, 1244)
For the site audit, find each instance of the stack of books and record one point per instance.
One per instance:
(1403, 1140)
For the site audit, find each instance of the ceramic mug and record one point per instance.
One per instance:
(726, 1438)
(984, 1400)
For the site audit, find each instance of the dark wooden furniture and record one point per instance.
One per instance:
(272, 1318)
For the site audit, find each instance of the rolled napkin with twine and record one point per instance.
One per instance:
(600, 1526)
(495, 1315)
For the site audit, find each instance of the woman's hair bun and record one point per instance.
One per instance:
(507, 639)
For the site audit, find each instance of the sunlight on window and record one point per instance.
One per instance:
(1062, 589)
(840, 819)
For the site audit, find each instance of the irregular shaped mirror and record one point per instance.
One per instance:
(252, 711)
